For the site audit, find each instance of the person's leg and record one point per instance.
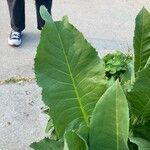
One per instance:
(17, 20)
(48, 5)
(17, 14)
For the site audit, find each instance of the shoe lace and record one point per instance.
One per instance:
(15, 35)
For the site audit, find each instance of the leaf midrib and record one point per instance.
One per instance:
(85, 116)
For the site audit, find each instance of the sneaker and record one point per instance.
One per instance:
(15, 38)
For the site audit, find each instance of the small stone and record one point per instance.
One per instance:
(9, 123)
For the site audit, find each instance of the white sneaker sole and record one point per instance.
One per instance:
(14, 43)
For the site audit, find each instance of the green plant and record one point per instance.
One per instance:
(116, 64)
(86, 113)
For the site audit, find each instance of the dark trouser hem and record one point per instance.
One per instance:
(39, 28)
(17, 29)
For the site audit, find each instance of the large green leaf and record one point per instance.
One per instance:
(70, 73)
(110, 121)
(142, 143)
(142, 39)
(74, 142)
(139, 97)
(47, 144)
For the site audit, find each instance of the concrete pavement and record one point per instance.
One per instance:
(107, 24)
